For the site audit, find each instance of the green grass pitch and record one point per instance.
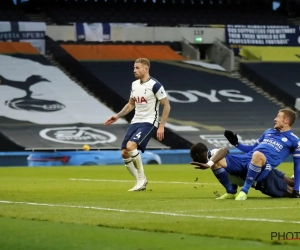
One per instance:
(90, 208)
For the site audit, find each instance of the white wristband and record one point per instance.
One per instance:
(210, 163)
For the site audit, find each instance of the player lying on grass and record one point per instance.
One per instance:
(273, 146)
(229, 171)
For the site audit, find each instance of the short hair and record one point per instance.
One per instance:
(144, 61)
(290, 114)
(198, 153)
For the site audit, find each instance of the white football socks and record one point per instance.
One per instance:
(131, 168)
(135, 155)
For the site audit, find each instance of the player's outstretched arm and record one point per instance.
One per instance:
(165, 114)
(219, 155)
(233, 139)
(127, 108)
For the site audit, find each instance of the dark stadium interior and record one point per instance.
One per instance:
(164, 14)
(154, 13)
(99, 80)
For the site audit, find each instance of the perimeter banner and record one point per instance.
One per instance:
(262, 35)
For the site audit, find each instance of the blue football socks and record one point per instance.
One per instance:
(222, 176)
(253, 172)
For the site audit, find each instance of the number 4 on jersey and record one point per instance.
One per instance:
(137, 136)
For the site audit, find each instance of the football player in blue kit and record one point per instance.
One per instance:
(147, 94)
(228, 169)
(269, 151)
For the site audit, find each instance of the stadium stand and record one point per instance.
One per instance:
(203, 104)
(42, 108)
(281, 80)
(174, 45)
(238, 106)
(121, 52)
(104, 92)
(163, 12)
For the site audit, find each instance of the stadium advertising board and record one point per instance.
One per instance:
(31, 32)
(262, 35)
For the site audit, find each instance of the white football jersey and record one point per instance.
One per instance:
(147, 97)
(213, 152)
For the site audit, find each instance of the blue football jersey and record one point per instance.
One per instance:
(276, 146)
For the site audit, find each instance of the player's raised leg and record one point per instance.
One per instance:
(255, 167)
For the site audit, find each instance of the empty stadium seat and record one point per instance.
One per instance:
(175, 45)
(148, 43)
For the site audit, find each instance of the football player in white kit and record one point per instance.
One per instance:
(146, 96)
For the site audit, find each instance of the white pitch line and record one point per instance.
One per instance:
(161, 182)
(151, 212)
(232, 209)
